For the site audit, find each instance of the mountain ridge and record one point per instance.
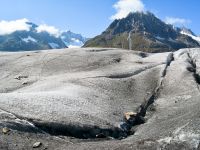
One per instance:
(143, 32)
(33, 40)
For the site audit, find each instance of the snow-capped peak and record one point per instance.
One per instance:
(72, 40)
(194, 37)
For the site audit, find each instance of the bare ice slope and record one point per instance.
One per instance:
(63, 97)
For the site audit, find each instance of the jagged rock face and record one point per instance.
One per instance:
(146, 33)
(84, 94)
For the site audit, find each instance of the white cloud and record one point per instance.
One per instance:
(8, 27)
(124, 7)
(50, 29)
(176, 21)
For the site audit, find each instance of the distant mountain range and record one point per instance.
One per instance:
(72, 39)
(33, 40)
(138, 31)
(144, 32)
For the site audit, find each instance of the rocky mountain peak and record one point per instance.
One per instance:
(143, 31)
(142, 22)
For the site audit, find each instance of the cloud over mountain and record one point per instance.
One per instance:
(8, 27)
(50, 29)
(175, 21)
(22, 34)
(124, 7)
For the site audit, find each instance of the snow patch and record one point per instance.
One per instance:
(29, 39)
(160, 38)
(192, 36)
(75, 43)
(76, 40)
(171, 40)
(54, 45)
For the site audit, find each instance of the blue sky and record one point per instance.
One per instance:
(91, 17)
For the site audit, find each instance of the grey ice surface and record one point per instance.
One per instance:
(94, 87)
